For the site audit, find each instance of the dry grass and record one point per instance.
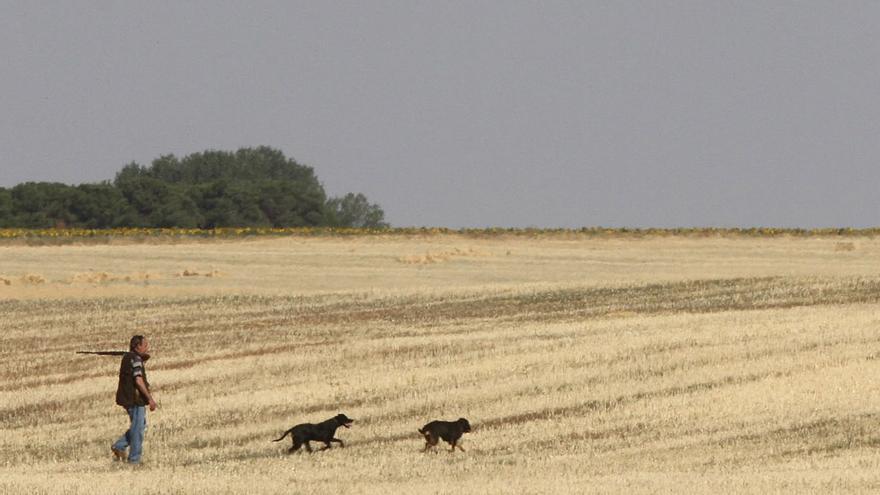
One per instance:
(586, 365)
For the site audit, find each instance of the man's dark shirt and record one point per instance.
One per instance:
(127, 393)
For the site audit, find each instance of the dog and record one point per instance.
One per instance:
(449, 431)
(324, 432)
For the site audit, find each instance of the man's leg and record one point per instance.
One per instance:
(136, 433)
(120, 445)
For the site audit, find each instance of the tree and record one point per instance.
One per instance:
(166, 168)
(247, 188)
(101, 206)
(5, 208)
(353, 210)
(226, 204)
(177, 210)
(157, 203)
(250, 187)
(291, 204)
(129, 172)
(40, 205)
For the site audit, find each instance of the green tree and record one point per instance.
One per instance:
(157, 203)
(225, 204)
(166, 168)
(354, 210)
(291, 204)
(128, 173)
(101, 206)
(246, 164)
(177, 210)
(40, 205)
(249, 187)
(5, 208)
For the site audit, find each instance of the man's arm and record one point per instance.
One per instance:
(139, 383)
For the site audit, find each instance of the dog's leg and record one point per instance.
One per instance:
(427, 443)
(341, 445)
(295, 447)
(308, 446)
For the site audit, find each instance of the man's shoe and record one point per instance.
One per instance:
(118, 455)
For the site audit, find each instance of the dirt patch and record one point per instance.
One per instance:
(190, 272)
(432, 257)
(107, 277)
(33, 279)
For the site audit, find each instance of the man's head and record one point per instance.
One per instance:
(139, 344)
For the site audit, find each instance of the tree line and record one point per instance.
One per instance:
(251, 187)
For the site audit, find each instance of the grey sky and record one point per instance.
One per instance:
(470, 114)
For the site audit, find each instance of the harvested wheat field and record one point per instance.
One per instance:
(621, 364)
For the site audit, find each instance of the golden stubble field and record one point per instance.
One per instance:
(629, 365)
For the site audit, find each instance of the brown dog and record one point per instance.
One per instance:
(449, 431)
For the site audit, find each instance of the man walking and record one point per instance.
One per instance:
(133, 394)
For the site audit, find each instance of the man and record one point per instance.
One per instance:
(133, 394)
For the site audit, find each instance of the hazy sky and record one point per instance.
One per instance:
(470, 114)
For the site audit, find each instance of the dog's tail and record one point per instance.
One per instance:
(422, 431)
(284, 435)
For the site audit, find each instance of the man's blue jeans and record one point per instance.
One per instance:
(134, 437)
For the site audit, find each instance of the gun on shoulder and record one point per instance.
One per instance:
(111, 353)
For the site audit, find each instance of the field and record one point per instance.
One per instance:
(618, 364)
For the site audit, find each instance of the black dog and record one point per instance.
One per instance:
(321, 432)
(449, 431)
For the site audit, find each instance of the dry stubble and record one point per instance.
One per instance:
(584, 365)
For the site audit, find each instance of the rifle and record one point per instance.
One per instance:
(112, 353)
